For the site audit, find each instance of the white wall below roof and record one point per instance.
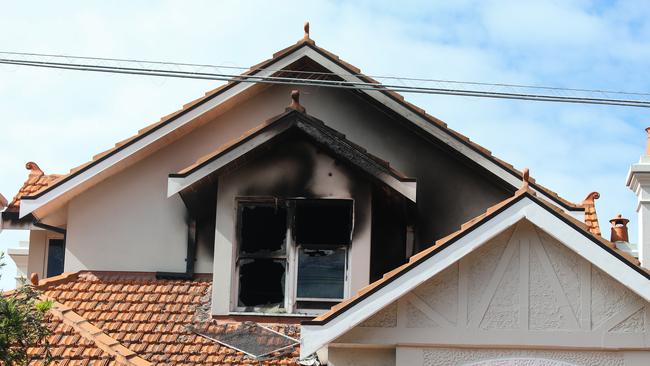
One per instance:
(361, 357)
(20, 256)
(517, 357)
(37, 252)
(524, 289)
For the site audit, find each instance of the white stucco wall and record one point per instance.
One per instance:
(524, 290)
(517, 357)
(127, 223)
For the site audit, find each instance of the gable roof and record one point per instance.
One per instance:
(140, 318)
(312, 128)
(523, 205)
(192, 114)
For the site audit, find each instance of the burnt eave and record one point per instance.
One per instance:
(313, 129)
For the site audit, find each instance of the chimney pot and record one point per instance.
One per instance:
(619, 229)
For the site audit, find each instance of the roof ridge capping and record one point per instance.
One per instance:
(89, 331)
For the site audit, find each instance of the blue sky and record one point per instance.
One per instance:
(59, 119)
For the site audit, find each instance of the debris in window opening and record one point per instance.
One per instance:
(323, 222)
(263, 228)
(261, 283)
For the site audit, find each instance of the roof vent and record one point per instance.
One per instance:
(619, 229)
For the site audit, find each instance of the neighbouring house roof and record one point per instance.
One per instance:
(595, 243)
(66, 343)
(132, 318)
(36, 181)
(310, 127)
(79, 178)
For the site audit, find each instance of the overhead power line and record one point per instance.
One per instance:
(342, 81)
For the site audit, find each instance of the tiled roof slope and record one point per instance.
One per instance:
(308, 42)
(419, 257)
(150, 317)
(36, 180)
(69, 348)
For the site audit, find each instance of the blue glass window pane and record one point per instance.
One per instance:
(55, 257)
(321, 273)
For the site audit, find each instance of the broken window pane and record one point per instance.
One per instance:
(323, 222)
(321, 273)
(263, 228)
(261, 282)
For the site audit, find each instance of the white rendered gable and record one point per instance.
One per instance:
(141, 146)
(528, 232)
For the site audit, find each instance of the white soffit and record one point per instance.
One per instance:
(314, 337)
(31, 205)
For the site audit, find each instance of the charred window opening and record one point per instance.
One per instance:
(262, 254)
(261, 283)
(323, 222)
(263, 229)
(292, 253)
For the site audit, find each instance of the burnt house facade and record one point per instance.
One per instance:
(280, 204)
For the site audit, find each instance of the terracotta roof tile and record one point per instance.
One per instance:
(149, 318)
(36, 180)
(591, 218)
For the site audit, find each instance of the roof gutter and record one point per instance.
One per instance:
(43, 226)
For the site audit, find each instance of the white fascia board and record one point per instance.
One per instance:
(28, 206)
(425, 125)
(177, 184)
(314, 337)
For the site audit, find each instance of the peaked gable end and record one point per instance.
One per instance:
(171, 127)
(498, 308)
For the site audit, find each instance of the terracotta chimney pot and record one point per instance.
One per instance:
(619, 229)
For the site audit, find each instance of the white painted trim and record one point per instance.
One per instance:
(28, 206)
(31, 205)
(315, 337)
